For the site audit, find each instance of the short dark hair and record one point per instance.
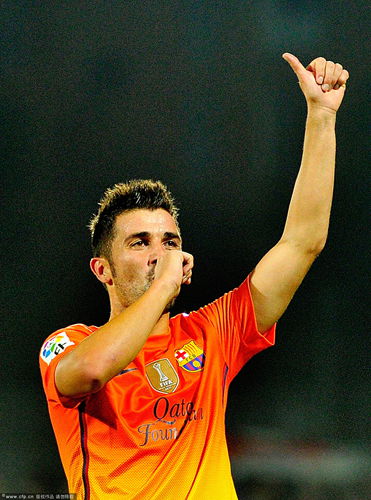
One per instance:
(123, 197)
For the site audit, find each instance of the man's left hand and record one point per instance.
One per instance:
(322, 82)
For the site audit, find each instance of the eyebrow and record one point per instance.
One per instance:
(168, 235)
(172, 236)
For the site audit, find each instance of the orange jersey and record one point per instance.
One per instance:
(156, 431)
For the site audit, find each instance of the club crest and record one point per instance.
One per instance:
(190, 357)
(162, 376)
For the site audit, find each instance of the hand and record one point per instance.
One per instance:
(322, 82)
(187, 268)
(174, 267)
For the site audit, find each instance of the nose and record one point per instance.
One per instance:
(156, 251)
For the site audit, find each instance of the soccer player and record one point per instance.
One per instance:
(138, 404)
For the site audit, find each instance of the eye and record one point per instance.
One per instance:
(171, 244)
(138, 243)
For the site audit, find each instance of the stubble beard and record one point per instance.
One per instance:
(130, 293)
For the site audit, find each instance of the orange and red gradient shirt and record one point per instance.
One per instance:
(157, 429)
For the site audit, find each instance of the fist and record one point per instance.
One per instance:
(174, 268)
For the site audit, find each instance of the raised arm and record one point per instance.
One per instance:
(280, 272)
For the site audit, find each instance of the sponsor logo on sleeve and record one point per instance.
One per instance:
(54, 346)
(190, 357)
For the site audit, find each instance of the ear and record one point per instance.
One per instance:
(101, 268)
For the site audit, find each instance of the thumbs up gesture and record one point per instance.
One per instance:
(322, 82)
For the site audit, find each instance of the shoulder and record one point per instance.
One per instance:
(73, 330)
(239, 294)
(62, 338)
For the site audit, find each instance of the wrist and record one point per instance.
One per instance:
(165, 289)
(321, 113)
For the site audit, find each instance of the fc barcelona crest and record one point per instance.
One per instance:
(162, 376)
(190, 357)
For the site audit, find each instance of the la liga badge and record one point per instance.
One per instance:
(190, 357)
(54, 346)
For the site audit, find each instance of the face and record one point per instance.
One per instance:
(141, 237)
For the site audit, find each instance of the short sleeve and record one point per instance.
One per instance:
(55, 347)
(233, 318)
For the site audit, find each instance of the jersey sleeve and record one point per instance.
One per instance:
(233, 319)
(55, 347)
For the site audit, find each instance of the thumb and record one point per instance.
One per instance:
(295, 64)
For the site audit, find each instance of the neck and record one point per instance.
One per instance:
(161, 326)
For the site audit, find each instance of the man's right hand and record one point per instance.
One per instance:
(174, 268)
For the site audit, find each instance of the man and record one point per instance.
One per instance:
(138, 404)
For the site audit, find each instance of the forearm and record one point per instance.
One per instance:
(309, 211)
(113, 346)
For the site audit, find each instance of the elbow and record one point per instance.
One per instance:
(313, 251)
(317, 246)
(306, 246)
(92, 377)
(76, 379)
(311, 245)
(91, 380)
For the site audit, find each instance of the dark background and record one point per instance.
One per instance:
(196, 94)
